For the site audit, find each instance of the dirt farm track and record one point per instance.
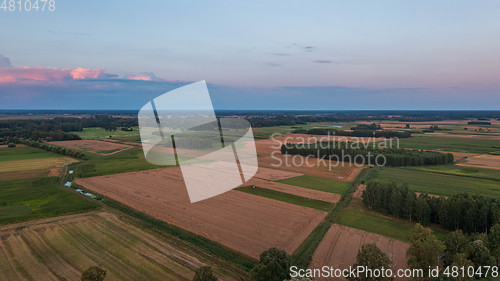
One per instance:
(243, 222)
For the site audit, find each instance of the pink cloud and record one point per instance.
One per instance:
(29, 75)
(85, 73)
(143, 77)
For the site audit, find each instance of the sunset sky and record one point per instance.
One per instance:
(254, 54)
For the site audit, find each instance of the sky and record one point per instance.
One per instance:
(326, 55)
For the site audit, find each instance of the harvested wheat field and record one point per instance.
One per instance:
(62, 248)
(342, 171)
(459, 155)
(34, 164)
(295, 190)
(340, 246)
(483, 161)
(94, 146)
(269, 156)
(243, 222)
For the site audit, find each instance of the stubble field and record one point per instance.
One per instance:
(243, 222)
(62, 248)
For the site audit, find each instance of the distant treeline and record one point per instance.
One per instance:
(291, 118)
(469, 213)
(479, 123)
(366, 153)
(58, 129)
(55, 149)
(355, 133)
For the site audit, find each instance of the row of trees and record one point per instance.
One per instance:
(470, 213)
(369, 154)
(55, 149)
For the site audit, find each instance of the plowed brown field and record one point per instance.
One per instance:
(244, 222)
(340, 246)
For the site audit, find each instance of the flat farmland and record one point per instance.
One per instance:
(471, 144)
(23, 162)
(125, 161)
(435, 183)
(483, 161)
(93, 146)
(269, 156)
(101, 133)
(295, 190)
(243, 222)
(319, 184)
(62, 248)
(38, 198)
(340, 246)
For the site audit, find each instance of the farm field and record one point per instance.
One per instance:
(93, 146)
(95, 133)
(288, 198)
(483, 161)
(451, 143)
(62, 248)
(27, 162)
(356, 215)
(22, 152)
(38, 198)
(243, 222)
(125, 161)
(317, 183)
(294, 190)
(340, 246)
(434, 183)
(459, 170)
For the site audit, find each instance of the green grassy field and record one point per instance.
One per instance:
(38, 198)
(471, 172)
(289, 198)
(381, 225)
(101, 133)
(126, 161)
(317, 183)
(24, 153)
(435, 183)
(458, 144)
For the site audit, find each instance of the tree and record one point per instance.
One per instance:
(93, 273)
(494, 242)
(372, 257)
(480, 255)
(456, 243)
(460, 260)
(204, 273)
(410, 202)
(274, 265)
(425, 249)
(422, 210)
